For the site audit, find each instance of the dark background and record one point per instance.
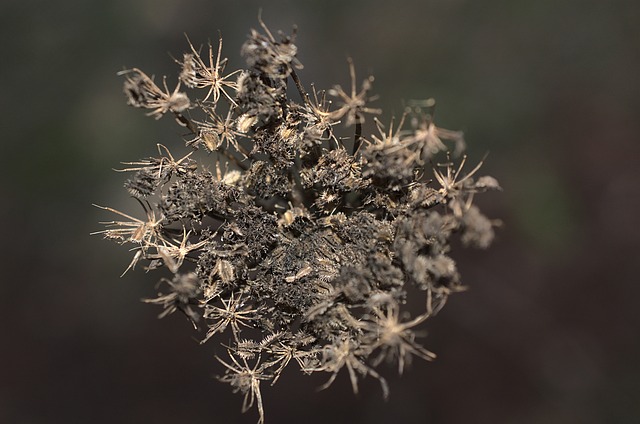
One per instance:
(548, 331)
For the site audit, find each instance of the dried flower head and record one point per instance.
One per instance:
(197, 74)
(287, 242)
(354, 104)
(142, 92)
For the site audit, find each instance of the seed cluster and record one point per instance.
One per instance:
(291, 244)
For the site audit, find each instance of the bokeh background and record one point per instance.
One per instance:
(548, 331)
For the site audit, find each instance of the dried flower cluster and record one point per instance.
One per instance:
(291, 243)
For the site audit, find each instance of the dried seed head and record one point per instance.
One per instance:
(298, 244)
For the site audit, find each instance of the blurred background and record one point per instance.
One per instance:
(548, 330)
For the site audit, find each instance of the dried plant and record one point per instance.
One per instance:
(298, 244)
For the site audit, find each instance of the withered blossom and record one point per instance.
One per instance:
(142, 92)
(353, 105)
(287, 242)
(197, 74)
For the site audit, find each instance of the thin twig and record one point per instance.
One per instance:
(357, 139)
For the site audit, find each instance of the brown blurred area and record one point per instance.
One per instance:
(548, 331)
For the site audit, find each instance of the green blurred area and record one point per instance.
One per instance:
(549, 88)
